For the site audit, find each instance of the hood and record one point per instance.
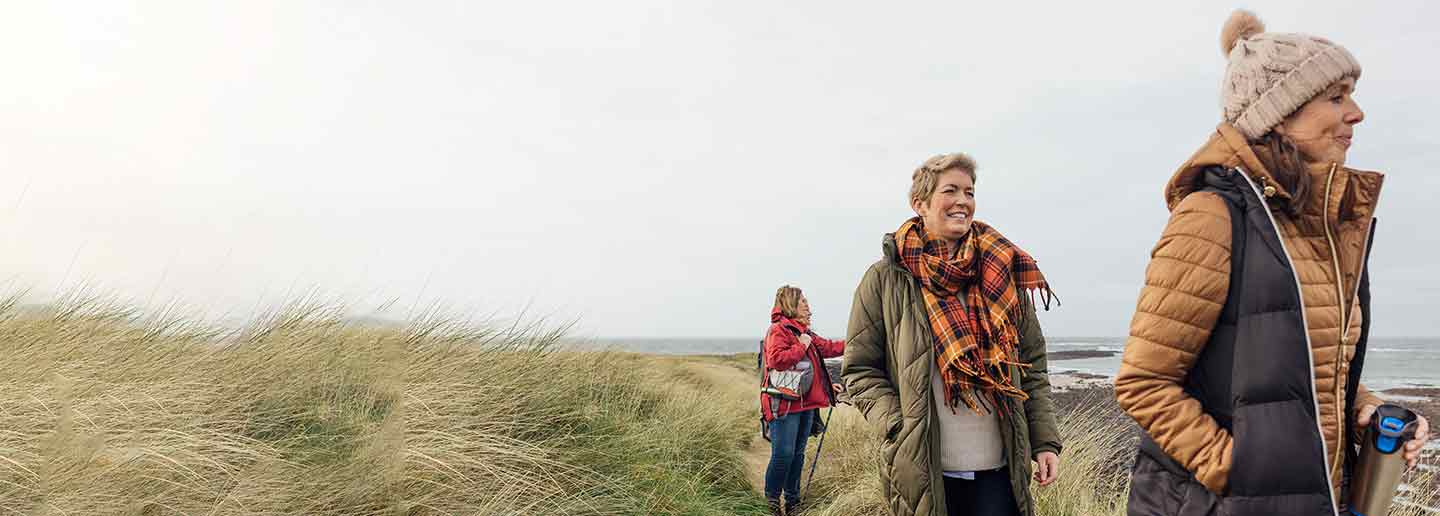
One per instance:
(777, 317)
(1226, 148)
(1356, 190)
(891, 250)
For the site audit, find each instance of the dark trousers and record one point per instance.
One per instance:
(988, 495)
(788, 435)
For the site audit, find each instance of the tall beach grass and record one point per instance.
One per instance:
(104, 410)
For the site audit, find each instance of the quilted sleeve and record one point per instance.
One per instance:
(1363, 397)
(1185, 288)
(866, 367)
(1039, 409)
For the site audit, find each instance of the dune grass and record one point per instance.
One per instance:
(106, 411)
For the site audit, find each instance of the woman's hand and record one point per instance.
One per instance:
(838, 388)
(805, 339)
(1047, 467)
(1412, 448)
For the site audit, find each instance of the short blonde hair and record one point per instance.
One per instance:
(787, 299)
(923, 181)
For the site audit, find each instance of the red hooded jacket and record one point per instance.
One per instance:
(783, 349)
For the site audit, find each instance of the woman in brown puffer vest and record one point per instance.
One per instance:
(1245, 350)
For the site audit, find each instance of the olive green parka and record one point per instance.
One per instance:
(889, 358)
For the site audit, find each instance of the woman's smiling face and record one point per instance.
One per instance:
(951, 208)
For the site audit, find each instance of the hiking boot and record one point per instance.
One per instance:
(792, 507)
(774, 507)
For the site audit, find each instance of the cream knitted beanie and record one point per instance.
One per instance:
(1270, 75)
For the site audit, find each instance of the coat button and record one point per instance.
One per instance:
(1269, 191)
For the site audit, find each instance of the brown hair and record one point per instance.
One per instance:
(923, 181)
(1287, 165)
(787, 299)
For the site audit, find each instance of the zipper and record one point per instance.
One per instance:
(932, 438)
(1335, 260)
(1339, 305)
(1310, 347)
(1347, 314)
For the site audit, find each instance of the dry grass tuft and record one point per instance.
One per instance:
(105, 411)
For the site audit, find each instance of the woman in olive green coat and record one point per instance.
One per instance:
(963, 415)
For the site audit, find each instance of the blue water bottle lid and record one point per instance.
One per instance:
(1389, 439)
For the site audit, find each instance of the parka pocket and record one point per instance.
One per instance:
(888, 448)
(1156, 491)
(887, 432)
(891, 431)
(1277, 446)
(1196, 500)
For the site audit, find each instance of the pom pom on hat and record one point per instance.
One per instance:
(1241, 25)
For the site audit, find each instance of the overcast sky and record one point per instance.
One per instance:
(654, 169)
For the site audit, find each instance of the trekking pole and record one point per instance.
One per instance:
(818, 447)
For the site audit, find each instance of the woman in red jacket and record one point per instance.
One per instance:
(791, 345)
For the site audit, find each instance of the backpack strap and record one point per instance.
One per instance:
(774, 403)
(762, 367)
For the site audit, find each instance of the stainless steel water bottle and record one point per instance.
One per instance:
(1382, 460)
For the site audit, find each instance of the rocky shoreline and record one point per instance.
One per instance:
(1077, 354)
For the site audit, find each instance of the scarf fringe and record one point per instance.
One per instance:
(981, 401)
(975, 396)
(1046, 296)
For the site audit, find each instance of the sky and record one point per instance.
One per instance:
(646, 169)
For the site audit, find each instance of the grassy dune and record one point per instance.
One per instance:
(107, 411)
(104, 411)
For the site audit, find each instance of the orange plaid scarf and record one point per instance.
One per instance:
(975, 341)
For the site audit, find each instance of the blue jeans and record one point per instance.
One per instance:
(788, 436)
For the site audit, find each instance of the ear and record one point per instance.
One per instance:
(918, 205)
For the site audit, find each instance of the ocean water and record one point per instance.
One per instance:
(1389, 362)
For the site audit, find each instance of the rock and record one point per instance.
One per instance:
(1056, 356)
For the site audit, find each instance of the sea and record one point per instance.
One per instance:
(1390, 362)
